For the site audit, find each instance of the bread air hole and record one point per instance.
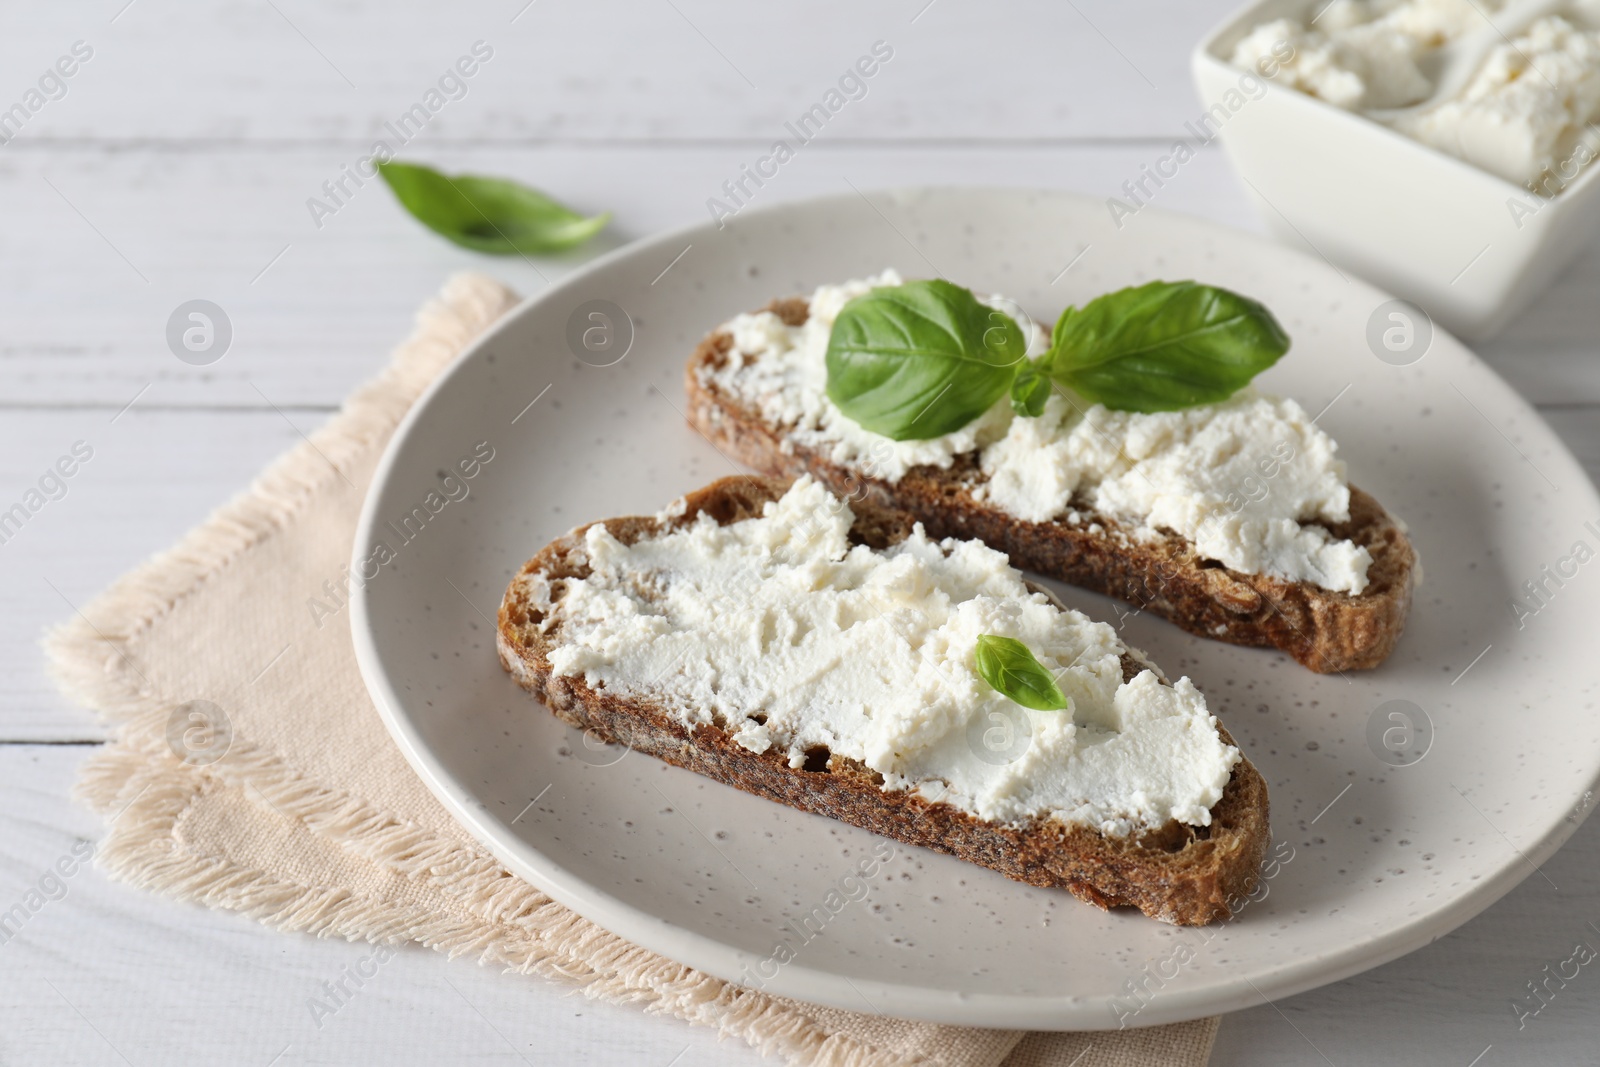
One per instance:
(1173, 837)
(817, 759)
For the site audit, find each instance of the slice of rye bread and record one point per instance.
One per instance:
(1187, 875)
(1324, 630)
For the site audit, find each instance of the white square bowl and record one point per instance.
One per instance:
(1471, 249)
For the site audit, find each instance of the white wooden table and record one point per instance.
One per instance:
(178, 165)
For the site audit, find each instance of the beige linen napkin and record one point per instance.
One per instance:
(250, 771)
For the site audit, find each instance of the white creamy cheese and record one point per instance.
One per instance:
(789, 382)
(1361, 54)
(1236, 478)
(778, 630)
(1529, 110)
(1524, 116)
(1240, 479)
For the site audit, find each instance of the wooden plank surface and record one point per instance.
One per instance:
(609, 71)
(102, 974)
(138, 977)
(145, 229)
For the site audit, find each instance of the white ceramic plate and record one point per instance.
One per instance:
(1375, 859)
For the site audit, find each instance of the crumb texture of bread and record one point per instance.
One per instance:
(1324, 630)
(1178, 874)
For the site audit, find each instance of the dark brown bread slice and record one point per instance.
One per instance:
(1325, 630)
(1179, 874)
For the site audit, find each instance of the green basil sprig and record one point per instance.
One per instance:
(925, 358)
(1164, 346)
(1008, 665)
(921, 359)
(1029, 391)
(491, 215)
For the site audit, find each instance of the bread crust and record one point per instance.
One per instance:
(1324, 630)
(1177, 874)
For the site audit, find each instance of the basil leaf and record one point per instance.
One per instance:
(1029, 392)
(920, 360)
(1007, 665)
(1164, 346)
(488, 214)
(1060, 328)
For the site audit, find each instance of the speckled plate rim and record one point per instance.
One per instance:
(814, 985)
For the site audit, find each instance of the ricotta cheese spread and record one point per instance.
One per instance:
(785, 369)
(781, 632)
(1241, 479)
(1526, 114)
